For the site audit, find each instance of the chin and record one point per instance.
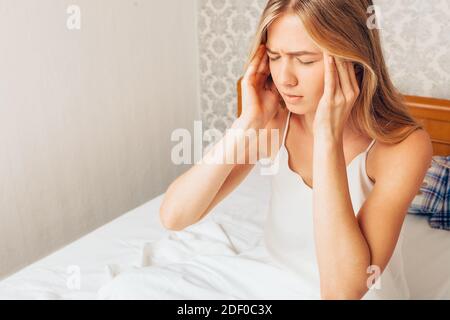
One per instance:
(297, 108)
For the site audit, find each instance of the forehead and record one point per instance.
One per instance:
(287, 34)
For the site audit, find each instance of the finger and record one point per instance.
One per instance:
(254, 64)
(263, 71)
(330, 77)
(337, 82)
(354, 81)
(344, 79)
(264, 63)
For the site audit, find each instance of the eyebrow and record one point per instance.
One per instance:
(296, 53)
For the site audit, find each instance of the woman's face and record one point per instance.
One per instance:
(300, 74)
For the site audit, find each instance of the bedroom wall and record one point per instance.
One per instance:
(86, 115)
(415, 38)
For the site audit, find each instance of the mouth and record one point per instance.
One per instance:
(292, 98)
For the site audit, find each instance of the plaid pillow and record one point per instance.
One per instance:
(434, 196)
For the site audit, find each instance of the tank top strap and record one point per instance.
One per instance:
(286, 126)
(370, 145)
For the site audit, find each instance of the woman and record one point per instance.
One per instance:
(336, 209)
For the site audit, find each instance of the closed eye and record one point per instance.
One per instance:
(302, 62)
(309, 62)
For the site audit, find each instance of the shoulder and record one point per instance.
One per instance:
(412, 157)
(417, 147)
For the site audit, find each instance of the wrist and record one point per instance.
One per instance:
(327, 140)
(326, 134)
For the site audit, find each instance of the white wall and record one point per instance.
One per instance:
(86, 115)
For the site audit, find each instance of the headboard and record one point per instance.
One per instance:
(433, 114)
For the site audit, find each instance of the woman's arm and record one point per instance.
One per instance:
(348, 244)
(192, 195)
(342, 251)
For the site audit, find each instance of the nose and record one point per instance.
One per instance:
(287, 77)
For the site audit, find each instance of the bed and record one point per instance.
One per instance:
(222, 256)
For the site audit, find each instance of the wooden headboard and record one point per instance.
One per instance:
(433, 114)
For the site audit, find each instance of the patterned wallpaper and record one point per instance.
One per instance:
(416, 41)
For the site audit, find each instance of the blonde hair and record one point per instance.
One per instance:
(340, 27)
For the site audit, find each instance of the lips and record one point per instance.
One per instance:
(292, 99)
(292, 95)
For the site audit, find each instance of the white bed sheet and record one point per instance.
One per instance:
(222, 257)
(125, 242)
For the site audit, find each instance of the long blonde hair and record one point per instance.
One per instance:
(340, 27)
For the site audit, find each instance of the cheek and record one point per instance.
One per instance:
(314, 85)
(273, 70)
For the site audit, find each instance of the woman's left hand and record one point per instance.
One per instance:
(340, 93)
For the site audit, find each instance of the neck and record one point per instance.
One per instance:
(306, 122)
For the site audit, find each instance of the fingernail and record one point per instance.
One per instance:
(330, 60)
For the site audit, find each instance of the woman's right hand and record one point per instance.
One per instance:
(260, 97)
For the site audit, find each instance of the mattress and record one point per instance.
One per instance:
(221, 257)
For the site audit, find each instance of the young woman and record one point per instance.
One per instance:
(351, 158)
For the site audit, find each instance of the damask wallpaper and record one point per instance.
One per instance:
(415, 35)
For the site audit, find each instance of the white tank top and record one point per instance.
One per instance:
(288, 232)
